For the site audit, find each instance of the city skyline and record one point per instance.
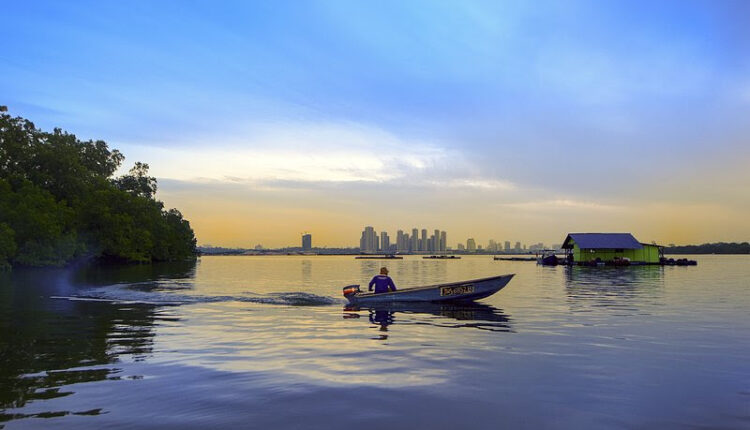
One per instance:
(373, 241)
(485, 243)
(490, 119)
(417, 241)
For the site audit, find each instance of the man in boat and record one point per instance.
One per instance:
(383, 283)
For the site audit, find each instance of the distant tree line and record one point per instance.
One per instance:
(710, 248)
(59, 201)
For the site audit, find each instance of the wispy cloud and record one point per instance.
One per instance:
(471, 183)
(295, 155)
(563, 204)
(298, 152)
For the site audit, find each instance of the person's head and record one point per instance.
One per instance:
(383, 270)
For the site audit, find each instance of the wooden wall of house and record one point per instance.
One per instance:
(647, 254)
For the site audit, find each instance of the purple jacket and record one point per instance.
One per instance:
(382, 282)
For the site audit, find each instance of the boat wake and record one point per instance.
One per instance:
(126, 294)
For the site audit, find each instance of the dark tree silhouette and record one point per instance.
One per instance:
(58, 201)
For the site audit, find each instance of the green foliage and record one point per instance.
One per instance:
(58, 201)
(42, 226)
(137, 181)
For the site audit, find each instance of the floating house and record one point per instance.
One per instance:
(610, 248)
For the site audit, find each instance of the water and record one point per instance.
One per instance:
(267, 342)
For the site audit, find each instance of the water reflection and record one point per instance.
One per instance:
(46, 345)
(98, 275)
(306, 271)
(623, 288)
(468, 315)
(382, 317)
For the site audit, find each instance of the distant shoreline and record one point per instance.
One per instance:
(291, 254)
(719, 248)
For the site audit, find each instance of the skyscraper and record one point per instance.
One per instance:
(507, 246)
(400, 241)
(471, 245)
(307, 242)
(369, 240)
(539, 246)
(385, 241)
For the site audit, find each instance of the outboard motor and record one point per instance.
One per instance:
(350, 290)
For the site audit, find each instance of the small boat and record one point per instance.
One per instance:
(455, 291)
(547, 257)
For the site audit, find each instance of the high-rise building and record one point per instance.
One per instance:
(402, 241)
(307, 242)
(507, 246)
(536, 247)
(517, 247)
(385, 242)
(471, 245)
(460, 247)
(369, 240)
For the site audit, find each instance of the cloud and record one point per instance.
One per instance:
(299, 155)
(563, 204)
(295, 152)
(479, 184)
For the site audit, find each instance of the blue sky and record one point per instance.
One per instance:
(602, 115)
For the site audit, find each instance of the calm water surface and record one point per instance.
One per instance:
(267, 342)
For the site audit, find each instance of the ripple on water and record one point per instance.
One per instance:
(268, 341)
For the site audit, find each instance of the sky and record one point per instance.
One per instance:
(504, 120)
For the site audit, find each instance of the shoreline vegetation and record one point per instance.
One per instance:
(710, 248)
(59, 202)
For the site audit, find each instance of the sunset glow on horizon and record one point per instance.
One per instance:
(494, 120)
